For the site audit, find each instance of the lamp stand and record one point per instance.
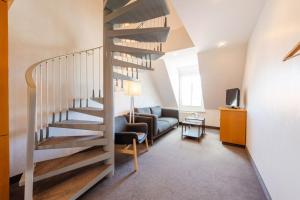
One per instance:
(131, 113)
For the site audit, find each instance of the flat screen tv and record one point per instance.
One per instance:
(233, 98)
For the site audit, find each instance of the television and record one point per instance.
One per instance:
(233, 98)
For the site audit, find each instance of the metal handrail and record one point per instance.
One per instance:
(28, 75)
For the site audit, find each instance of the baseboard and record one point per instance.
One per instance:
(15, 179)
(213, 127)
(260, 179)
(234, 145)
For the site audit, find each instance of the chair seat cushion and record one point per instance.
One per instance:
(141, 137)
(170, 120)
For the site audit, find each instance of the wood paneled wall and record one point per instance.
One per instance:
(4, 144)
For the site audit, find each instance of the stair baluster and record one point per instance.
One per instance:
(41, 101)
(93, 67)
(74, 79)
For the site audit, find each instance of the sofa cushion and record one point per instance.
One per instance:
(170, 120)
(156, 111)
(143, 110)
(162, 125)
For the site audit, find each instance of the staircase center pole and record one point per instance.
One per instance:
(108, 93)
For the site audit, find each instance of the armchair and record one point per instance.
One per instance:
(130, 135)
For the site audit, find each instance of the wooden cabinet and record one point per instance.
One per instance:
(4, 148)
(233, 126)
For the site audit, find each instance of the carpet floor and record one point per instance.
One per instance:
(176, 169)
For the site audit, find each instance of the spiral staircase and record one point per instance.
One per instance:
(70, 100)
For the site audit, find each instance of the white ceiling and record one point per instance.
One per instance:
(210, 22)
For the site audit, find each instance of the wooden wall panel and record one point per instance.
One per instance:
(3, 69)
(4, 144)
(4, 168)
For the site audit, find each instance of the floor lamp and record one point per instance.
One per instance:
(132, 89)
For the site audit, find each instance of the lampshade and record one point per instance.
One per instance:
(132, 88)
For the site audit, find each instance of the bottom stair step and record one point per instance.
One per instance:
(71, 142)
(79, 124)
(50, 168)
(72, 184)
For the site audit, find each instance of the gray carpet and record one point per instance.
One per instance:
(182, 170)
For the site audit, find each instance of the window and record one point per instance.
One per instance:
(190, 91)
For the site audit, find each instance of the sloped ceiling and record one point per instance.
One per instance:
(210, 22)
(178, 36)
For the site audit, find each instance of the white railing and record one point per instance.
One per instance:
(55, 85)
(61, 82)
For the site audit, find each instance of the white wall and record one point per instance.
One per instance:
(221, 69)
(148, 97)
(212, 117)
(272, 97)
(38, 30)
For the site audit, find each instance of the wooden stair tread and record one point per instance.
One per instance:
(158, 34)
(88, 108)
(53, 167)
(89, 111)
(138, 52)
(115, 4)
(71, 142)
(98, 99)
(79, 124)
(138, 11)
(72, 184)
(120, 63)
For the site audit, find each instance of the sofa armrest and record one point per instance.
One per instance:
(151, 122)
(165, 112)
(154, 120)
(125, 137)
(138, 127)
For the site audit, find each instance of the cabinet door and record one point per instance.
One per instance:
(4, 168)
(3, 69)
(233, 127)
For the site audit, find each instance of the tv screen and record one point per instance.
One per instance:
(233, 97)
